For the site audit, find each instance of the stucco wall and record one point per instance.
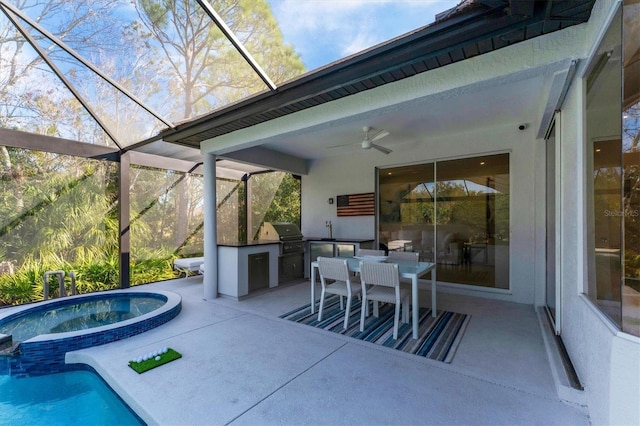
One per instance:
(356, 173)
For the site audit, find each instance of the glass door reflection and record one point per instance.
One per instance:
(455, 213)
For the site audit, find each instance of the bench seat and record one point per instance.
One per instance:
(188, 264)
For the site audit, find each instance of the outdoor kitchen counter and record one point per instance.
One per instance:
(340, 240)
(248, 243)
(246, 266)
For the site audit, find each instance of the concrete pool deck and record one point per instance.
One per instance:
(242, 364)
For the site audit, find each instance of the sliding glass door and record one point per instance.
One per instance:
(552, 293)
(454, 213)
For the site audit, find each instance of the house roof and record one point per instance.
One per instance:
(472, 28)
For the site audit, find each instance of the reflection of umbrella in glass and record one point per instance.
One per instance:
(427, 189)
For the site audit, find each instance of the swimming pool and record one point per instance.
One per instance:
(53, 328)
(80, 314)
(70, 398)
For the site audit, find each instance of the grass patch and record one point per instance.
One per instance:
(142, 366)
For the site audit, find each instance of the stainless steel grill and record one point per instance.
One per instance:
(291, 259)
(281, 231)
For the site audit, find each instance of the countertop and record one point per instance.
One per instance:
(308, 239)
(248, 243)
(338, 240)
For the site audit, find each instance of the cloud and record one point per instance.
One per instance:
(360, 42)
(323, 31)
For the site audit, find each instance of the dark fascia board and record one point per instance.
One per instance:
(322, 80)
(18, 139)
(484, 20)
(522, 8)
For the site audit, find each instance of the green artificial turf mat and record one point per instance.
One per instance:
(141, 367)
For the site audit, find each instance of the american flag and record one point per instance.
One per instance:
(356, 204)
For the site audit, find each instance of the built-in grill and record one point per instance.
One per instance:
(291, 259)
(287, 233)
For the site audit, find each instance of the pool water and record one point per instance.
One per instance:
(70, 398)
(80, 316)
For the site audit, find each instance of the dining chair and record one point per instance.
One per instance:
(369, 252)
(384, 282)
(404, 255)
(343, 284)
(412, 256)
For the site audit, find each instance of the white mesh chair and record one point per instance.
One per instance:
(384, 279)
(369, 252)
(343, 285)
(404, 255)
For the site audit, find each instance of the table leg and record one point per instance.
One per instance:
(415, 308)
(313, 288)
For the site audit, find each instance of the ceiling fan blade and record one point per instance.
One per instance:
(338, 146)
(381, 149)
(381, 134)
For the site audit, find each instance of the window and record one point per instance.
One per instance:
(631, 167)
(455, 213)
(613, 173)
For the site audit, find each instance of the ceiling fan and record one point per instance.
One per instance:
(368, 141)
(370, 136)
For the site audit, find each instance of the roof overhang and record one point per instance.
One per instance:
(473, 28)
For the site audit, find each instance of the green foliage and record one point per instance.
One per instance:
(631, 264)
(285, 206)
(19, 288)
(60, 212)
(26, 285)
(151, 270)
(275, 198)
(96, 274)
(93, 274)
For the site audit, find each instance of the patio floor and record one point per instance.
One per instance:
(242, 364)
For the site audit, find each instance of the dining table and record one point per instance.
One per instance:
(407, 269)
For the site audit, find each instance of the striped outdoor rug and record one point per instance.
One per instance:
(439, 337)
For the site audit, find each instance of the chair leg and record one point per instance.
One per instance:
(321, 305)
(347, 313)
(363, 312)
(396, 320)
(376, 311)
(405, 310)
(341, 303)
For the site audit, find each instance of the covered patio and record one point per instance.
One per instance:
(242, 364)
(498, 108)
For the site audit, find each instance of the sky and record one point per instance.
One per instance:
(323, 31)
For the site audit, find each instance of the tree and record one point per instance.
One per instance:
(171, 55)
(24, 79)
(203, 71)
(275, 198)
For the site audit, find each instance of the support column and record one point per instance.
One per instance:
(248, 195)
(210, 280)
(124, 240)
